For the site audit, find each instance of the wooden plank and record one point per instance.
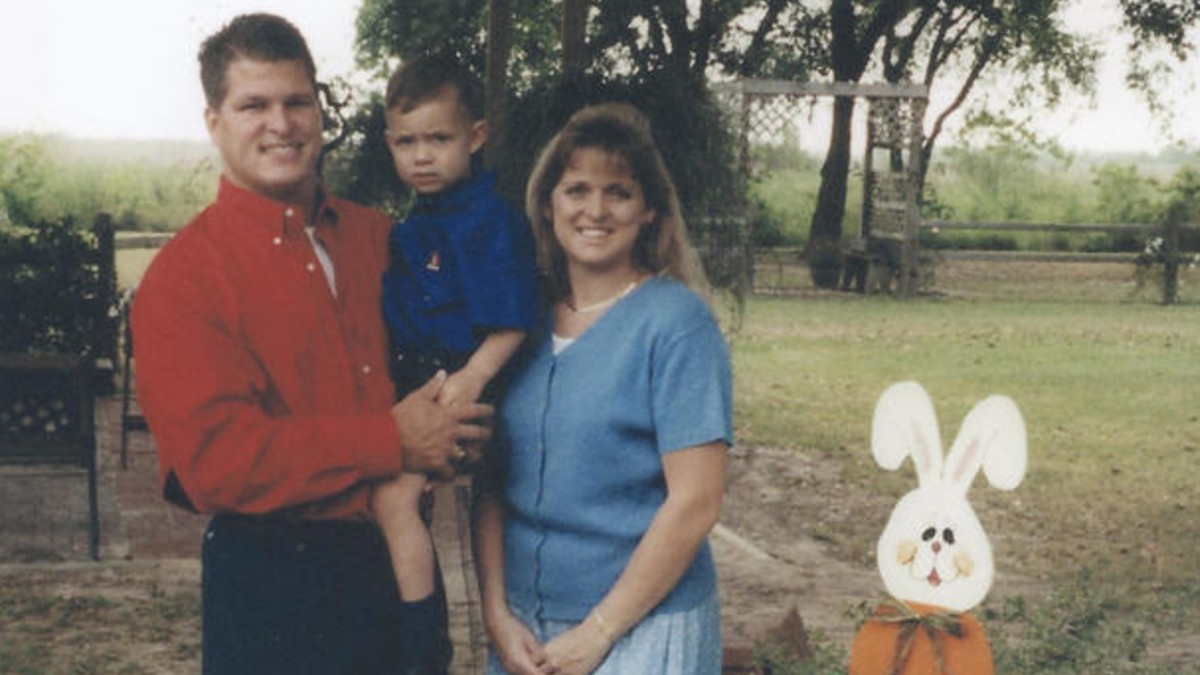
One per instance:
(1135, 228)
(1037, 257)
(790, 87)
(128, 240)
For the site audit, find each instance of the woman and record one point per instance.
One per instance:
(593, 549)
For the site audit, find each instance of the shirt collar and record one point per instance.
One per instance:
(277, 218)
(458, 198)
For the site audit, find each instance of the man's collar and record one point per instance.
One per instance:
(275, 215)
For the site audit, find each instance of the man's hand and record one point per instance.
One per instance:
(438, 438)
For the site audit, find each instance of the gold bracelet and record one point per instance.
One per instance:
(603, 627)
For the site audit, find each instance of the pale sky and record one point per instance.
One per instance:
(127, 69)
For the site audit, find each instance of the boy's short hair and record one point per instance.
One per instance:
(420, 79)
(261, 37)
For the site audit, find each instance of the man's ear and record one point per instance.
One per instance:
(479, 134)
(210, 119)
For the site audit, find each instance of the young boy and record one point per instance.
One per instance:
(459, 296)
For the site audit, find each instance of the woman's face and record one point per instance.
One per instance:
(598, 209)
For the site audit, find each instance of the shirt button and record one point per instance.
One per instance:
(277, 241)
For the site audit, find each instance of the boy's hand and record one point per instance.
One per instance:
(464, 386)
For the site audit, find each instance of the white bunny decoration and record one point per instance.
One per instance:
(933, 555)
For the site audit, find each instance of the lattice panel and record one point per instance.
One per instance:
(896, 121)
(766, 118)
(770, 117)
(889, 191)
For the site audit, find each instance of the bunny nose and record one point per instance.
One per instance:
(937, 547)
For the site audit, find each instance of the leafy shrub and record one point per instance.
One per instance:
(1081, 627)
(57, 292)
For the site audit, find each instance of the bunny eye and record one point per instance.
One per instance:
(929, 533)
(948, 536)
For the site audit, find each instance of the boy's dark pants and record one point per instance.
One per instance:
(302, 597)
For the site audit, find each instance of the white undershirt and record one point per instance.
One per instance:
(560, 343)
(323, 258)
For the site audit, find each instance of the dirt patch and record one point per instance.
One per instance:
(773, 551)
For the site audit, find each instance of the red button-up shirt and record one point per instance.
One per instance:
(265, 391)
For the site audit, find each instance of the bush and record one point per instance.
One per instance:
(1081, 627)
(57, 291)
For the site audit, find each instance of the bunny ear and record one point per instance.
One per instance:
(905, 424)
(993, 434)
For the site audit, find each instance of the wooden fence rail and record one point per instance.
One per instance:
(1166, 250)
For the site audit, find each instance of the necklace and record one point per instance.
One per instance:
(570, 303)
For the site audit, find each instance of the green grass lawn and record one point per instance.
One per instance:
(1109, 392)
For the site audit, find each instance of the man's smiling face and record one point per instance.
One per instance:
(268, 129)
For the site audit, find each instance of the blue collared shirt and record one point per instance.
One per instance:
(462, 264)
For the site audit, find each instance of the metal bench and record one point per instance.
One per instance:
(46, 417)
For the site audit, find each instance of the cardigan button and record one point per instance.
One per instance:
(311, 267)
(366, 370)
(277, 241)
(289, 212)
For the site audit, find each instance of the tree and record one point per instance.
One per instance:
(499, 50)
(856, 30)
(627, 44)
(962, 41)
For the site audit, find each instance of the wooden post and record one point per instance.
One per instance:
(1170, 253)
(105, 340)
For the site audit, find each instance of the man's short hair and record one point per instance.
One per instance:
(420, 79)
(261, 37)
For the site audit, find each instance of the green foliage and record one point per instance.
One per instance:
(687, 125)
(361, 169)
(784, 190)
(56, 293)
(145, 186)
(24, 171)
(827, 658)
(1006, 181)
(1083, 626)
(390, 30)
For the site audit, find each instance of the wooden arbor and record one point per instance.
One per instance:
(886, 246)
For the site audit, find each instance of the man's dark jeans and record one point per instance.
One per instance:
(298, 597)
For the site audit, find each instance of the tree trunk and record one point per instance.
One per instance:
(499, 47)
(574, 35)
(825, 232)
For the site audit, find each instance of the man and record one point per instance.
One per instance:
(261, 369)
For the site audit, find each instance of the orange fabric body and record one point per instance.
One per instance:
(875, 645)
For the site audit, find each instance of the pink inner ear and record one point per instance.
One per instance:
(923, 455)
(969, 459)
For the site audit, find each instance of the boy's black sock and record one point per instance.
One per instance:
(425, 633)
